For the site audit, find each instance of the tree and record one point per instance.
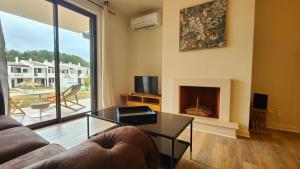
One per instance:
(11, 54)
(87, 82)
(43, 55)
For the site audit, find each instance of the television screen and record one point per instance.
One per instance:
(146, 84)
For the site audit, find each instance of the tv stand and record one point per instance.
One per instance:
(139, 99)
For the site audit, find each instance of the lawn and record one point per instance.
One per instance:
(27, 100)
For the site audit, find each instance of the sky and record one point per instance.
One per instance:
(23, 34)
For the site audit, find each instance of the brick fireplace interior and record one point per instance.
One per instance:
(208, 99)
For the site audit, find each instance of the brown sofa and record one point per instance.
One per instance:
(121, 148)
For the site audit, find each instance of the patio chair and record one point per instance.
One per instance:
(66, 97)
(14, 106)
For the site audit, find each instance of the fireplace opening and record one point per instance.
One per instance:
(200, 101)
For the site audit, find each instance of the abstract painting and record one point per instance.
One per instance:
(203, 26)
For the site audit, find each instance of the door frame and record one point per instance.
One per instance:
(93, 62)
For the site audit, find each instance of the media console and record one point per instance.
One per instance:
(152, 101)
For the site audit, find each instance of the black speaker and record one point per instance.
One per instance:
(260, 101)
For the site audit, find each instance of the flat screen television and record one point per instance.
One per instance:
(146, 84)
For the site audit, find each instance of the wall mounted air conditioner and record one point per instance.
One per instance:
(147, 21)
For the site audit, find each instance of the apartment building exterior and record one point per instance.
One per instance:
(43, 74)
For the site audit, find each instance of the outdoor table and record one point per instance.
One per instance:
(39, 105)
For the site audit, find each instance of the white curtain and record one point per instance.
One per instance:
(107, 85)
(3, 70)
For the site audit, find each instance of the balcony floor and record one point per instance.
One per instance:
(28, 120)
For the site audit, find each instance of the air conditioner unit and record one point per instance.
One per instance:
(147, 21)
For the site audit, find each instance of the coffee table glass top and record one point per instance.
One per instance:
(167, 125)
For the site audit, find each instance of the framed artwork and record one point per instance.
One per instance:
(203, 26)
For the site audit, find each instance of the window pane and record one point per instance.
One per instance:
(29, 42)
(74, 46)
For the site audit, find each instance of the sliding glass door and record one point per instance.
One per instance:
(75, 65)
(51, 53)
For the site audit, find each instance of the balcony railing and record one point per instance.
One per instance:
(44, 75)
(20, 75)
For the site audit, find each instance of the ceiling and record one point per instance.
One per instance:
(42, 11)
(132, 8)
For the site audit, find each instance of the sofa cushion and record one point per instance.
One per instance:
(18, 141)
(132, 136)
(122, 148)
(7, 122)
(32, 157)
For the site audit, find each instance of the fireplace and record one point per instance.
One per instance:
(211, 95)
(200, 101)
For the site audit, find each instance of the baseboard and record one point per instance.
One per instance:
(214, 129)
(243, 133)
(281, 127)
(216, 133)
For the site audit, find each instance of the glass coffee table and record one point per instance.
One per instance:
(164, 131)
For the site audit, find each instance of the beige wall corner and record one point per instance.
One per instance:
(145, 54)
(119, 51)
(233, 62)
(276, 61)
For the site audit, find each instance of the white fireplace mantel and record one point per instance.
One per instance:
(221, 126)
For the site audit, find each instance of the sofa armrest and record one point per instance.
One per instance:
(8, 122)
(33, 157)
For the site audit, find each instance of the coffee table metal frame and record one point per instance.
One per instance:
(173, 139)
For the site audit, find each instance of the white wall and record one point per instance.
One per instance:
(276, 61)
(233, 61)
(145, 54)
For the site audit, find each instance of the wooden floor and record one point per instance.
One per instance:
(279, 150)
